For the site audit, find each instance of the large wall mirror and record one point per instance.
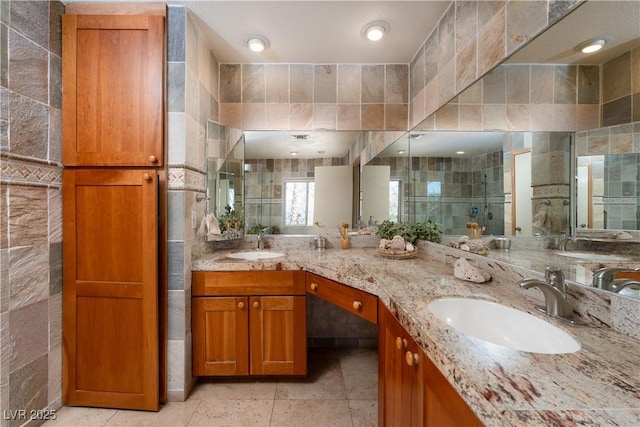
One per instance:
(298, 182)
(225, 182)
(534, 103)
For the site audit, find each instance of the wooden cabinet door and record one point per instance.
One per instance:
(220, 336)
(445, 408)
(110, 295)
(113, 90)
(278, 335)
(401, 377)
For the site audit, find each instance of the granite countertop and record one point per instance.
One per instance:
(596, 386)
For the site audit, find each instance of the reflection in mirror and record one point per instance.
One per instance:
(608, 182)
(385, 185)
(225, 165)
(281, 181)
(457, 177)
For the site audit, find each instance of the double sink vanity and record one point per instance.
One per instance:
(497, 361)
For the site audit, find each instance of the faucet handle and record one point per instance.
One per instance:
(555, 277)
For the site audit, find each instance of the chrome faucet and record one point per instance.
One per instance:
(620, 284)
(261, 238)
(555, 297)
(605, 278)
(562, 243)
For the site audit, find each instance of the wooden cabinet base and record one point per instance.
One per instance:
(236, 333)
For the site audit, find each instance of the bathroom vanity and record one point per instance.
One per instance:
(249, 323)
(438, 371)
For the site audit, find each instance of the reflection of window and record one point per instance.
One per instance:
(298, 202)
(394, 200)
(434, 188)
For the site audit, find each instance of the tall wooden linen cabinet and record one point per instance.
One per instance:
(114, 207)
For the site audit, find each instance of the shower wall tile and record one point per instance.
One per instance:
(565, 117)
(525, 18)
(517, 78)
(588, 117)
(466, 23)
(277, 116)
(277, 83)
(373, 84)
(635, 107)
(230, 83)
(635, 70)
(430, 59)
(301, 83)
(417, 71)
(492, 51)
(396, 84)
(470, 117)
(494, 87)
(253, 116)
(466, 65)
(231, 114)
(447, 82)
(300, 116)
(324, 116)
(517, 117)
(565, 84)
(349, 77)
(542, 81)
(487, 10)
(616, 78)
(588, 84)
(324, 84)
(395, 117)
(349, 117)
(372, 117)
(447, 117)
(253, 83)
(446, 36)
(472, 95)
(617, 111)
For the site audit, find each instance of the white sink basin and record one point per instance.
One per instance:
(502, 325)
(255, 255)
(594, 256)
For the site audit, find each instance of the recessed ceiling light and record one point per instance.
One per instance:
(591, 46)
(375, 30)
(298, 136)
(459, 152)
(400, 151)
(257, 43)
(293, 153)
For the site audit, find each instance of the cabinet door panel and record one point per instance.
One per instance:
(110, 294)
(113, 91)
(278, 335)
(401, 385)
(220, 336)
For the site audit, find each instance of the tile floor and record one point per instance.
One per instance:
(340, 390)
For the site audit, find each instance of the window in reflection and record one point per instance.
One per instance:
(298, 204)
(394, 199)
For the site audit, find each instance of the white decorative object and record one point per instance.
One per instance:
(409, 247)
(397, 244)
(384, 244)
(462, 269)
(463, 239)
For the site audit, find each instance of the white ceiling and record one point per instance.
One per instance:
(315, 31)
(280, 144)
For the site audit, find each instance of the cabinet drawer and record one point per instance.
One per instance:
(280, 282)
(353, 300)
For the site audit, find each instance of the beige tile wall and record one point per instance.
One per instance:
(314, 96)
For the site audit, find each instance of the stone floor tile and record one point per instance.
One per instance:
(311, 413)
